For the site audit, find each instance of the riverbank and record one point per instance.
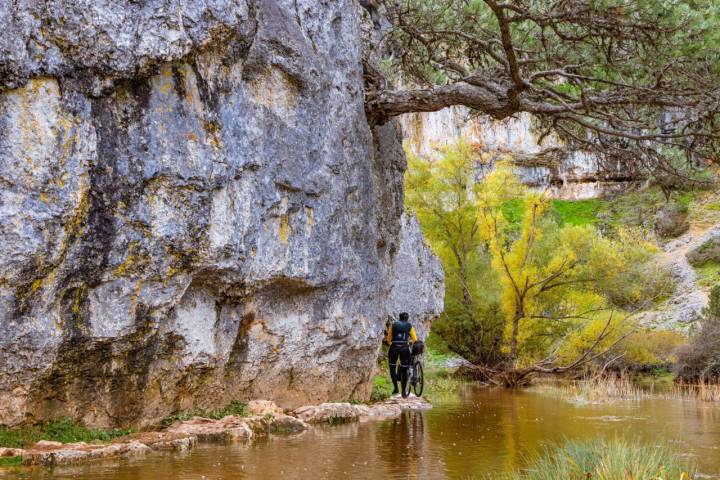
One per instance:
(476, 433)
(257, 418)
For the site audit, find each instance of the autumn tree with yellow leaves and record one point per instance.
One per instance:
(555, 285)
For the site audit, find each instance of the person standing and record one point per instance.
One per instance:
(399, 336)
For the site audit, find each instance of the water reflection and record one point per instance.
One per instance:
(480, 433)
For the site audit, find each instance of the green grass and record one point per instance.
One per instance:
(65, 431)
(235, 407)
(578, 212)
(602, 460)
(514, 210)
(10, 461)
(382, 388)
(708, 274)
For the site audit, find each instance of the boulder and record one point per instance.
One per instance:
(264, 407)
(229, 428)
(329, 412)
(50, 453)
(176, 441)
(286, 424)
(11, 452)
(672, 221)
(708, 251)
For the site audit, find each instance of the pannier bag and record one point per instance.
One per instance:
(418, 348)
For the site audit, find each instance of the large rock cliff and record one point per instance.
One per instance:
(194, 209)
(563, 172)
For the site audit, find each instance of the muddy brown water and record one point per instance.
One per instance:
(481, 432)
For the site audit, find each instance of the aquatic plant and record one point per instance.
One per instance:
(704, 391)
(616, 459)
(598, 389)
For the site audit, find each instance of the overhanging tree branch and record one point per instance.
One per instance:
(602, 78)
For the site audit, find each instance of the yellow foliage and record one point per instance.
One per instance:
(641, 347)
(547, 282)
(652, 347)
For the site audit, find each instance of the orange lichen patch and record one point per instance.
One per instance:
(164, 83)
(190, 87)
(134, 298)
(213, 133)
(284, 227)
(192, 137)
(36, 285)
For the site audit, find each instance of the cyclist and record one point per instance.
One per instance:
(399, 336)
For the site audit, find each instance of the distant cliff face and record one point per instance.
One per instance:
(575, 175)
(194, 209)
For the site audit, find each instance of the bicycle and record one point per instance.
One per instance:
(412, 376)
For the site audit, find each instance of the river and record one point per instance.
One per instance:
(477, 433)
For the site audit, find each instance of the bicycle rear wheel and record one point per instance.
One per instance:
(404, 381)
(419, 380)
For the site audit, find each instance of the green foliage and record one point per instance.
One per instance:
(523, 272)
(713, 309)
(578, 212)
(642, 349)
(651, 350)
(382, 389)
(604, 460)
(708, 273)
(665, 50)
(10, 461)
(235, 407)
(65, 431)
(441, 195)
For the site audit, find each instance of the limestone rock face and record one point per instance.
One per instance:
(565, 174)
(193, 209)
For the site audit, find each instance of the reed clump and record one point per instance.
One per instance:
(596, 389)
(617, 459)
(703, 390)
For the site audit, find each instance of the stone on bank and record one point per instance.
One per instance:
(184, 435)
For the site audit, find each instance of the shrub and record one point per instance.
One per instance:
(603, 460)
(382, 389)
(699, 360)
(650, 350)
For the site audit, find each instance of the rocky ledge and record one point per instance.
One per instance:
(265, 418)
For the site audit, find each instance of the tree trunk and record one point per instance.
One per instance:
(513, 338)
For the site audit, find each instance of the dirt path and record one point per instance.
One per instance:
(689, 298)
